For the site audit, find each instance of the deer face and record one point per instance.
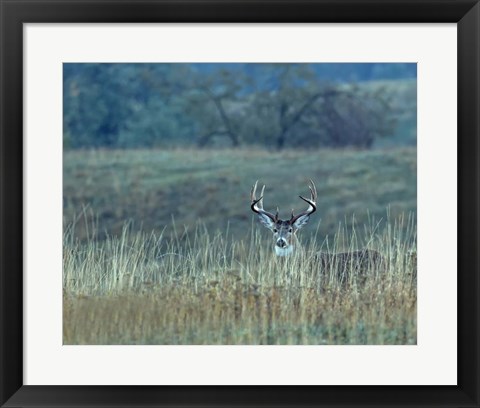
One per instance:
(284, 238)
(282, 234)
(283, 231)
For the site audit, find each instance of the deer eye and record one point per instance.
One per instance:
(290, 230)
(275, 230)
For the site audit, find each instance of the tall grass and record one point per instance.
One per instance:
(205, 287)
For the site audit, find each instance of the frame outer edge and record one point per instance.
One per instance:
(469, 203)
(11, 204)
(11, 210)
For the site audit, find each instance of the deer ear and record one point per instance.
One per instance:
(301, 221)
(266, 221)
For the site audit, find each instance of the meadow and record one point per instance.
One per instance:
(161, 247)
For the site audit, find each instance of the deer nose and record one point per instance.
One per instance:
(281, 243)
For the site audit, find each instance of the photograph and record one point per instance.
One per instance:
(239, 203)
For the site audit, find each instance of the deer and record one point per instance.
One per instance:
(286, 242)
(284, 231)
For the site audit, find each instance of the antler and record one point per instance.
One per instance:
(312, 206)
(257, 204)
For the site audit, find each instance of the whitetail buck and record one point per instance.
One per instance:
(284, 232)
(286, 241)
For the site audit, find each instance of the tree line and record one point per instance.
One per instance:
(273, 105)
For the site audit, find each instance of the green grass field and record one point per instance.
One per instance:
(152, 187)
(161, 247)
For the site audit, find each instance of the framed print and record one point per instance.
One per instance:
(145, 150)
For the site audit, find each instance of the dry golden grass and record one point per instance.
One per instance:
(204, 288)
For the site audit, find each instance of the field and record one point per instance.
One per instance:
(161, 247)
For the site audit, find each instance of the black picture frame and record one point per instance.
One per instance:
(14, 13)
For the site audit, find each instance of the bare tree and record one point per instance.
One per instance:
(299, 109)
(212, 100)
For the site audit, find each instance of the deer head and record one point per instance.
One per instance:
(283, 230)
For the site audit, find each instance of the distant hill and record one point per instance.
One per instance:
(335, 72)
(403, 100)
